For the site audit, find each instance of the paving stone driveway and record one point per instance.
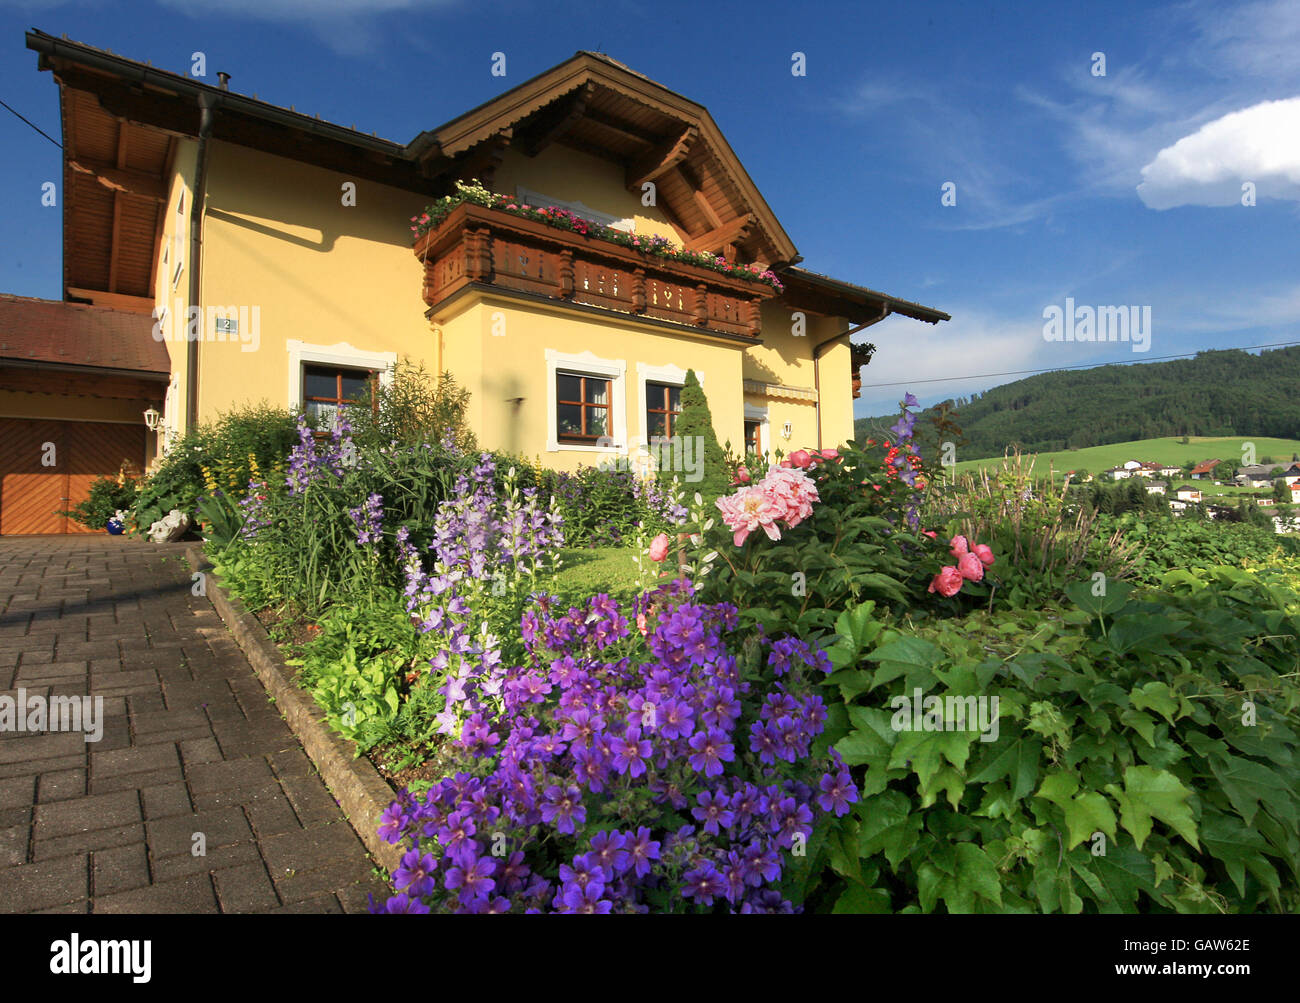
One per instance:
(190, 744)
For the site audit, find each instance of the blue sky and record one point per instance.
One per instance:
(1116, 189)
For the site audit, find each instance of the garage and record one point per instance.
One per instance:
(47, 467)
(75, 382)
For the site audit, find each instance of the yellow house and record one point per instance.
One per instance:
(275, 253)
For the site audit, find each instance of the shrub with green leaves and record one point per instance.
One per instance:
(365, 666)
(1146, 755)
(107, 496)
(1171, 542)
(224, 446)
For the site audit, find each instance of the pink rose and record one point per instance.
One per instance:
(742, 476)
(947, 582)
(970, 567)
(801, 458)
(984, 553)
(830, 454)
(659, 547)
(959, 546)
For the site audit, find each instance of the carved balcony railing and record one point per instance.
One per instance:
(489, 247)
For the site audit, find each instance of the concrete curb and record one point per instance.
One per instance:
(362, 793)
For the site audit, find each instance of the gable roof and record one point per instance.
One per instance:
(51, 332)
(1205, 467)
(597, 104)
(590, 102)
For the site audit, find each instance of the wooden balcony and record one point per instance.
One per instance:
(489, 247)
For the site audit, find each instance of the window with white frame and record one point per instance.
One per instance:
(323, 379)
(586, 404)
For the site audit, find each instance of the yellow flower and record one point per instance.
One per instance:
(209, 481)
(252, 467)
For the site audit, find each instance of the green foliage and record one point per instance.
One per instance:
(696, 420)
(367, 665)
(1145, 757)
(853, 547)
(1170, 542)
(413, 408)
(107, 496)
(221, 519)
(1042, 536)
(603, 508)
(307, 556)
(224, 447)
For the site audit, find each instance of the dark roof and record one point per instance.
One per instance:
(855, 293)
(1186, 487)
(78, 334)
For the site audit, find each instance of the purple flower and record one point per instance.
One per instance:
(473, 878)
(563, 807)
(711, 750)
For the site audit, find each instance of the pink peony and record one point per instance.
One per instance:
(747, 510)
(742, 476)
(970, 567)
(983, 552)
(801, 458)
(659, 547)
(830, 454)
(947, 582)
(959, 546)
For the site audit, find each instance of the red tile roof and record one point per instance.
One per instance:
(77, 334)
(1206, 467)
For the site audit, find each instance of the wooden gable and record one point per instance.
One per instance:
(595, 104)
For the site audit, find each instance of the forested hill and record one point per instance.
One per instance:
(1216, 393)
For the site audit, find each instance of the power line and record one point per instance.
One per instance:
(1057, 369)
(34, 126)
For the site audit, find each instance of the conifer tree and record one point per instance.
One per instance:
(697, 420)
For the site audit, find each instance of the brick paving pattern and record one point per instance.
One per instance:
(190, 744)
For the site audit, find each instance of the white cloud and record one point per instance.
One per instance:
(1259, 144)
(972, 344)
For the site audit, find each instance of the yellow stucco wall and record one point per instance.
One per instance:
(174, 295)
(277, 237)
(343, 282)
(498, 349)
(572, 176)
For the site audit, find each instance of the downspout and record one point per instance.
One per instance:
(206, 103)
(817, 351)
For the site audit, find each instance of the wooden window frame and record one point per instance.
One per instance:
(582, 438)
(339, 401)
(652, 387)
(753, 447)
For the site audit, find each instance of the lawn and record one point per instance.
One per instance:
(598, 569)
(1095, 459)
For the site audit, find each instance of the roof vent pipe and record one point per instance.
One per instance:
(224, 79)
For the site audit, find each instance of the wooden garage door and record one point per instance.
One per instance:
(48, 466)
